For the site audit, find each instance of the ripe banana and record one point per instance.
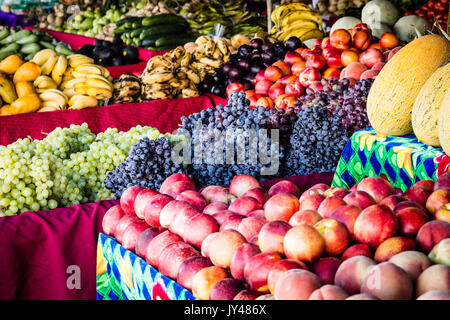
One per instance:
(81, 87)
(76, 60)
(298, 16)
(98, 81)
(48, 66)
(54, 97)
(157, 78)
(42, 56)
(59, 69)
(79, 101)
(88, 68)
(69, 84)
(44, 82)
(99, 93)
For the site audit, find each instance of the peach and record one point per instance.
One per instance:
(144, 240)
(320, 186)
(437, 200)
(285, 80)
(275, 90)
(205, 279)
(369, 74)
(392, 200)
(305, 217)
(172, 179)
(427, 184)
(257, 214)
(409, 204)
(198, 227)
(281, 207)
(311, 201)
(279, 268)
(217, 194)
(377, 188)
(273, 73)
(388, 41)
(328, 292)
(178, 223)
(329, 205)
(247, 294)
(359, 249)
(349, 56)
(336, 191)
(226, 289)
(417, 194)
(240, 258)
(158, 244)
(436, 277)
(335, 234)
(262, 87)
(442, 182)
(271, 236)
(431, 233)
(347, 215)
(232, 222)
(310, 192)
(259, 194)
(173, 256)
(206, 244)
(298, 67)
(178, 187)
(331, 73)
(378, 66)
(214, 207)
(371, 57)
(189, 268)
(411, 220)
(361, 39)
(194, 198)
(316, 61)
(222, 216)
(326, 269)
(144, 196)
(250, 226)
(375, 224)
(333, 57)
(392, 246)
(296, 284)
(341, 39)
(127, 199)
(124, 222)
(290, 58)
(244, 205)
(441, 253)
(386, 281)
(412, 262)
(352, 272)
(443, 213)
(303, 243)
(243, 183)
(284, 186)
(435, 295)
(354, 70)
(111, 219)
(222, 247)
(285, 67)
(362, 296)
(359, 198)
(309, 76)
(169, 211)
(256, 270)
(132, 233)
(153, 208)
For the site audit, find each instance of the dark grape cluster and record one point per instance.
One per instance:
(148, 164)
(341, 97)
(317, 141)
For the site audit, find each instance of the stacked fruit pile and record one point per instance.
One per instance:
(67, 167)
(160, 32)
(243, 242)
(27, 43)
(296, 19)
(108, 53)
(434, 10)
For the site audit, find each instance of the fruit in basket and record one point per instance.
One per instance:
(205, 279)
(173, 256)
(383, 101)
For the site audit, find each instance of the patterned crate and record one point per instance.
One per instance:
(122, 275)
(402, 160)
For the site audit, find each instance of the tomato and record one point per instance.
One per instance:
(430, 4)
(444, 1)
(439, 6)
(445, 17)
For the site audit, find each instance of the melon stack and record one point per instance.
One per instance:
(411, 93)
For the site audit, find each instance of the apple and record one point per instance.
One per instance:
(273, 73)
(298, 67)
(341, 39)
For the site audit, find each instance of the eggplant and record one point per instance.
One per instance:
(105, 53)
(131, 54)
(255, 68)
(255, 55)
(98, 43)
(117, 61)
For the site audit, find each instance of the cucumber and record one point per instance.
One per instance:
(159, 48)
(5, 54)
(137, 24)
(32, 38)
(173, 41)
(165, 18)
(122, 22)
(30, 47)
(164, 29)
(119, 30)
(136, 33)
(12, 47)
(147, 43)
(47, 45)
(3, 34)
(16, 36)
(63, 50)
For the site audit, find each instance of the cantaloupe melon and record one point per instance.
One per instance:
(426, 107)
(444, 124)
(396, 87)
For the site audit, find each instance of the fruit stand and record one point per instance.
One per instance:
(225, 150)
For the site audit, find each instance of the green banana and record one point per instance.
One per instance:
(32, 38)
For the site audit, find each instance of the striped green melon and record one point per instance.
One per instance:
(395, 89)
(426, 107)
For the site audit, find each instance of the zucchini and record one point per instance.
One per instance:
(47, 45)
(119, 30)
(16, 36)
(136, 24)
(173, 41)
(121, 22)
(32, 38)
(136, 33)
(63, 50)
(164, 29)
(165, 18)
(3, 34)
(12, 47)
(147, 43)
(30, 47)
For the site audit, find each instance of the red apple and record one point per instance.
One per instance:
(331, 73)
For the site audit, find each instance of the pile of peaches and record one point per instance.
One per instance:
(244, 242)
(353, 54)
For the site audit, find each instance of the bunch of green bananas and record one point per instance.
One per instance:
(296, 19)
(232, 14)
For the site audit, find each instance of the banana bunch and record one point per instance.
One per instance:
(177, 73)
(127, 88)
(296, 19)
(73, 82)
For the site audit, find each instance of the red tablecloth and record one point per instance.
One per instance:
(40, 250)
(163, 114)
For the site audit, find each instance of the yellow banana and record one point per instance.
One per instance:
(42, 56)
(69, 84)
(88, 68)
(99, 93)
(78, 101)
(69, 92)
(76, 60)
(81, 87)
(55, 96)
(59, 69)
(298, 16)
(47, 67)
(45, 82)
(312, 34)
(99, 83)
